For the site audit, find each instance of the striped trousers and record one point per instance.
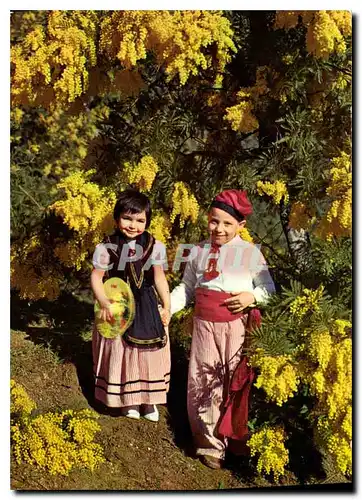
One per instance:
(215, 352)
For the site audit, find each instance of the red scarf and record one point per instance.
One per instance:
(211, 272)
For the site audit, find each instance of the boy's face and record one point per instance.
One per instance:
(222, 226)
(132, 225)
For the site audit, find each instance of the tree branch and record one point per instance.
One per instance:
(31, 198)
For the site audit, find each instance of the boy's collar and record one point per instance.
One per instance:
(234, 240)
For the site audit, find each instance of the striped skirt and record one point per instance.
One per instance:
(126, 375)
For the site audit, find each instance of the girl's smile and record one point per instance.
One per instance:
(132, 224)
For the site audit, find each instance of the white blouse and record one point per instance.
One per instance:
(241, 267)
(101, 257)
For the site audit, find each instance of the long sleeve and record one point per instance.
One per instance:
(184, 293)
(262, 281)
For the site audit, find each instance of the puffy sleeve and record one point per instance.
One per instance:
(101, 257)
(262, 281)
(184, 293)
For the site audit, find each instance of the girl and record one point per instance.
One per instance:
(132, 371)
(225, 275)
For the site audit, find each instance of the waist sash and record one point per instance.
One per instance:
(209, 306)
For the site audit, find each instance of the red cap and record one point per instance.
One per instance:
(234, 202)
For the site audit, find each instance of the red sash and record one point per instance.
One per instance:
(234, 423)
(209, 306)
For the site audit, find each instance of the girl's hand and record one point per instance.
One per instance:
(239, 301)
(105, 313)
(165, 316)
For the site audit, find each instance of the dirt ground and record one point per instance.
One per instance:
(54, 365)
(140, 455)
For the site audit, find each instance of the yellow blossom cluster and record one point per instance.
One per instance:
(245, 235)
(326, 29)
(16, 115)
(335, 80)
(341, 82)
(288, 59)
(339, 327)
(22, 22)
(340, 449)
(33, 286)
(326, 33)
(341, 365)
(324, 362)
(240, 116)
(68, 138)
(56, 442)
(276, 190)
(21, 404)
(268, 445)
(307, 302)
(86, 209)
(184, 203)
(176, 38)
(73, 253)
(320, 348)
(286, 19)
(30, 274)
(278, 376)
(160, 227)
(214, 100)
(338, 219)
(330, 380)
(347, 423)
(51, 62)
(328, 372)
(85, 205)
(142, 174)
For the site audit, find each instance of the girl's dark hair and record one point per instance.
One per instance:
(133, 202)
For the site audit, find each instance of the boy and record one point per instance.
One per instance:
(232, 277)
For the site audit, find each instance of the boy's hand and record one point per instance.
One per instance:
(165, 316)
(239, 301)
(105, 313)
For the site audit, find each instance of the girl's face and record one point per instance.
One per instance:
(132, 225)
(222, 226)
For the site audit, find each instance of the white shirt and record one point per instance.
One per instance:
(241, 267)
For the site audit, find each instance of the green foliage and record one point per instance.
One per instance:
(282, 331)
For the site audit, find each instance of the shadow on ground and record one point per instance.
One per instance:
(64, 326)
(177, 398)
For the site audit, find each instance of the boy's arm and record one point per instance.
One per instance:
(184, 293)
(262, 281)
(263, 285)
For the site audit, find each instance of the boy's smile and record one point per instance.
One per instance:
(222, 226)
